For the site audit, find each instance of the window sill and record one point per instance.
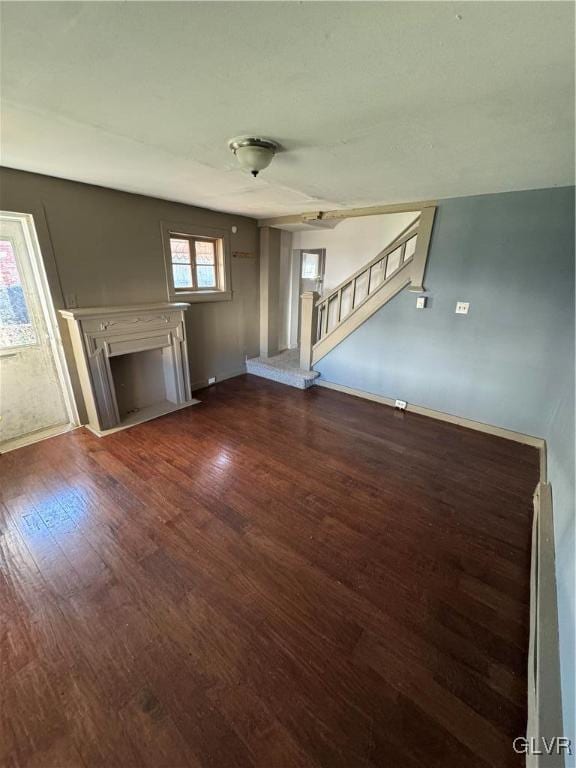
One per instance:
(197, 297)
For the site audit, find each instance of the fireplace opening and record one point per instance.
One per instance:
(138, 381)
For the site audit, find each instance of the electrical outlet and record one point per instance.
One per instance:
(462, 307)
(401, 405)
(212, 380)
(421, 302)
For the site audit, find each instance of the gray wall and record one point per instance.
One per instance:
(270, 239)
(108, 250)
(509, 363)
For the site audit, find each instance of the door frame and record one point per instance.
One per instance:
(26, 220)
(298, 257)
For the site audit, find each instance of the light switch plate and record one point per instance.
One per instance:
(421, 302)
(462, 307)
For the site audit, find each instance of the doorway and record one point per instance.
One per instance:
(310, 264)
(35, 392)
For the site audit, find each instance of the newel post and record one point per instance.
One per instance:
(308, 325)
(422, 246)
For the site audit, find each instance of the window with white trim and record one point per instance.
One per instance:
(196, 265)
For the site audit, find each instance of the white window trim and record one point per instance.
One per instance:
(321, 253)
(173, 229)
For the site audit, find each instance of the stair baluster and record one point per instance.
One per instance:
(402, 262)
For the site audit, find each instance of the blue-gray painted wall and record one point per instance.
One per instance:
(509, 256)
(509, 362)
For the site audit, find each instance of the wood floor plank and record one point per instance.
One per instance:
(272, 579)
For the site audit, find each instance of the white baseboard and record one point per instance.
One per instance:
(519, 437)
(35, 437)
(544, 691)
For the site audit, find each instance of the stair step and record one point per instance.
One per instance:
(282, 368)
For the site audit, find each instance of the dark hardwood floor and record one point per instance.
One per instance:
(272, 578)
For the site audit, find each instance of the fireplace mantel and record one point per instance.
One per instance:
(100, 334)
(95, 312)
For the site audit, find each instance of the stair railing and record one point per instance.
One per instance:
(349, 296)
(320, 316)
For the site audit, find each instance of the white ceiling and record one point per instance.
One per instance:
(374, 102)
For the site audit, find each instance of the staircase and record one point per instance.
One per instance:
(328, 320)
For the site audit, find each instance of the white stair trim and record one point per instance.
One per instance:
(394, 285)
(318, 338)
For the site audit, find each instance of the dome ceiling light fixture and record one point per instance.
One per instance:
(254, 153)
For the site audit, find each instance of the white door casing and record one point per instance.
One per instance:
(35, 391)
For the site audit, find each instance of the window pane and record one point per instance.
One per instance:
(206, 276)
(180, 250)
(204, 252)
(16, 330)
(182, 275)
(310, 265)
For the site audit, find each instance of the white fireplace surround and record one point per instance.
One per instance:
(101, 333)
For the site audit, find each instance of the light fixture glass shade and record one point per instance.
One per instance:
(254, 158)
(254, 153)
